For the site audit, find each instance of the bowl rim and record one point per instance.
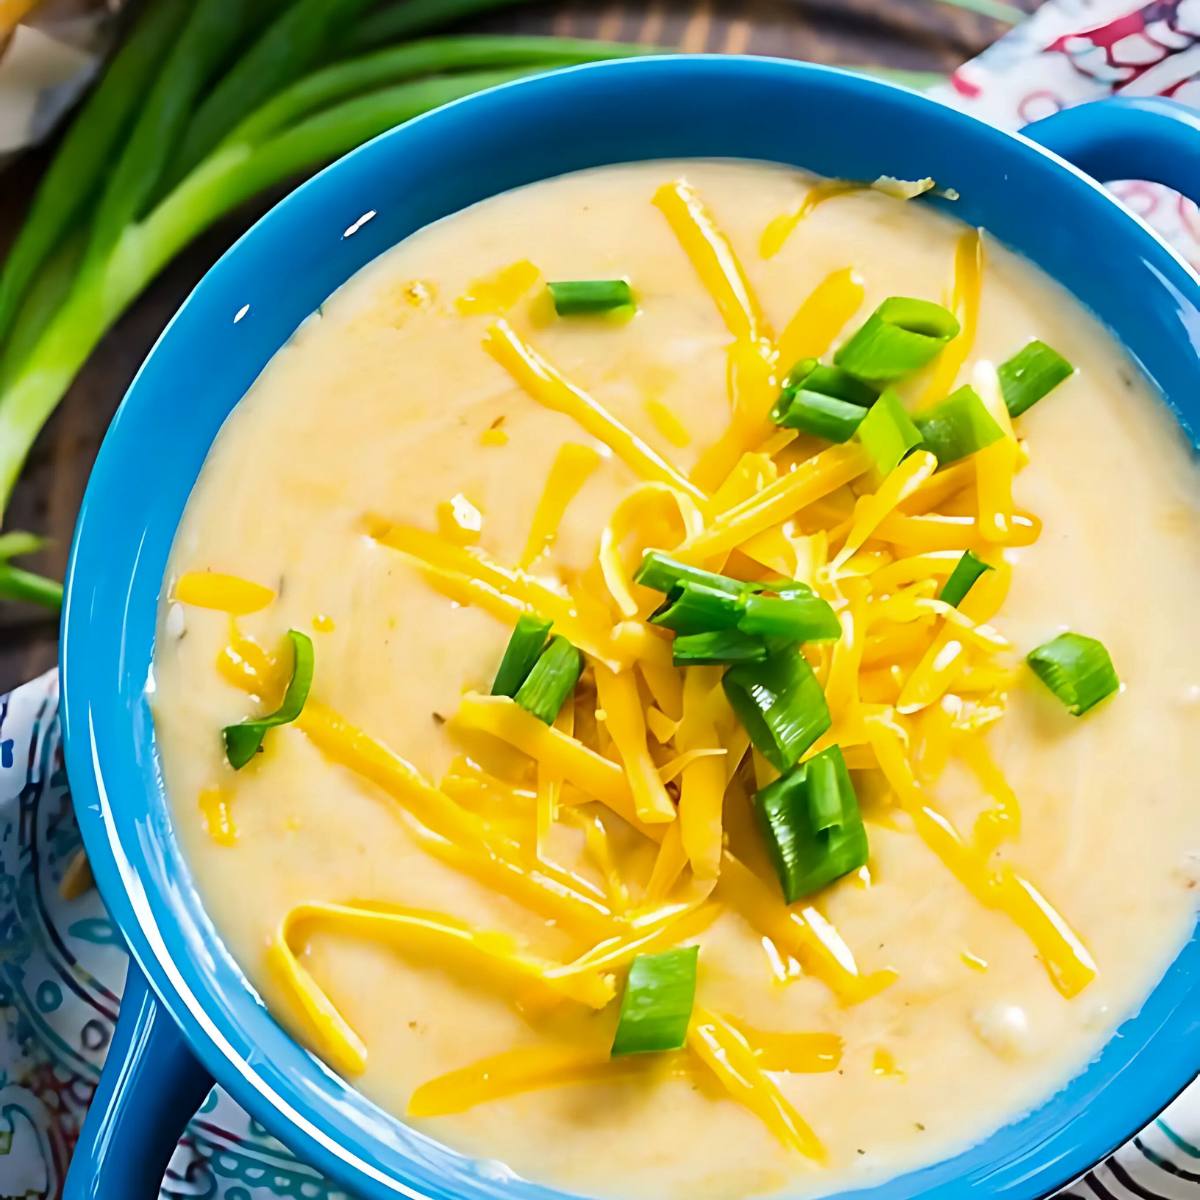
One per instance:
(132, 906)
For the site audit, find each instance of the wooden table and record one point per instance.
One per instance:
(913, 34)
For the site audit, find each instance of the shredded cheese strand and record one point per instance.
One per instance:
(714, 261)
(570, 470)
(541, 382)
(781, 228)
(702, 790)
(617, 695)
(965, 292)
(775, 503)
(225, 593)
(727, 1054)
(822, 316)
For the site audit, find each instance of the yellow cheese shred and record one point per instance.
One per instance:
(225, 593)
(1067, 960)
(549, 783)
(781, 228)
(668, 423)
(570, 470)
(702, 789)
(775, 503)
(497, 293)
(822, 316)
(635, 514)
(669, 863)
(965, 293)
(617, 694)
(871, 509)
(727, 1054)
(214, 807)
(541, 382)
(513, 1072)
(939, 665)
(490, 956)
(753, 388)
(795, 1053)
(451, 566)
(713, 260)
(995, 465)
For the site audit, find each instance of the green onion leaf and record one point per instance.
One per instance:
(898, 338)
(958, 426)
(664, 574)
(575, 297)
(887, 433)
(1077, 669)
(698, 608)
(527, 642)
(797, 616)
(551, 680)
(243, 740)
(657, 1003)
(719, 646)
(1030, 374)
(962, 579)
(780, 704)
(825, 401)
(812, 825)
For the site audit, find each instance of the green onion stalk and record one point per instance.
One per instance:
(163, 148)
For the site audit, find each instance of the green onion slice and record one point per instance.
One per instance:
(243, 740)
(1077, 669)
(797, 616)
(780, 703)
(664, 574)
(575, 297)
(898, 338)
(657, 1003)
(824, 416)
(811, 823)
(958, 426)
(962, 579)
(551, 680)
(1031, 373)
(887, 433)
(528, 640)
(698, 608)
(719, 646)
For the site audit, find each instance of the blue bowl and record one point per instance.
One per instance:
(189, 1015)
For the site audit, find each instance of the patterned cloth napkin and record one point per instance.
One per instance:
(62, 965)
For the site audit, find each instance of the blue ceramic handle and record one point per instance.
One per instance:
(149, 1089)
(1128, 138)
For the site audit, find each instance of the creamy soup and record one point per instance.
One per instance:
(432, 887)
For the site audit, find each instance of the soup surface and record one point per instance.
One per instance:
(408, 473)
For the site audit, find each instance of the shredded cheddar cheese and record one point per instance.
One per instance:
(225, 593)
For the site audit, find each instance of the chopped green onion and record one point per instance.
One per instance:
(243, 740)
(551, 680)
(780, 704)
(527, 642)
(16, 584)
(958, 426)
(657, 1003)
(797, 616)
(664, 574)
(962, 579)
(698, 608)
(812, 825)
(574, 297)
(719, 646)
(1031, 373)
(825, 401)
(898, 338)
(1077, 669)
(887, 433)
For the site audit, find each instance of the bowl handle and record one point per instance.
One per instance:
(1144, 137)
(151, 1086)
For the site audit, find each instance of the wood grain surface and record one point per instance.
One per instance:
(912, 34)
